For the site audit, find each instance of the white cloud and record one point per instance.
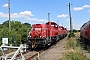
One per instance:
(78, 8)
(81, 8)
(62, 16)
(5, 5)
(17, 15)
(86, 6)
(3, 15)
(36, 19)
(25, 14)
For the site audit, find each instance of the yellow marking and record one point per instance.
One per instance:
(38, 56)
(34, 44)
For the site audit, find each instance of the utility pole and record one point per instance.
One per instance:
(58, 22)
(9, 14)
(49, 29)
(58, 25)
(62, 24)
(70, 18)
(48, 17)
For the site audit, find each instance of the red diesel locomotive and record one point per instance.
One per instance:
(42, 35)
(85, 32)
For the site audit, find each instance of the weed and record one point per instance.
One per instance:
(73, 51)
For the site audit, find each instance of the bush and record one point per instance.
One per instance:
(18, 32)
(71, 35)
(73, 51)
(72, 54)
(72, 43)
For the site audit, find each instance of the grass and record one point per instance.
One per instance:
(0, 53)
(72, 43)
(73, 50)
(82, 45)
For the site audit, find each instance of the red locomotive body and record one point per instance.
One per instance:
(42, 35)
(85, 32)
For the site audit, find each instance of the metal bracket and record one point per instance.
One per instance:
(20, 49)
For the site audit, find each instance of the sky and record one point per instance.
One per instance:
(36, 11)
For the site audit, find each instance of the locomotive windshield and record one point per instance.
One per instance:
(37, 28)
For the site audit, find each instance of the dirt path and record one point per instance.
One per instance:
(56, 52)
(86, 53)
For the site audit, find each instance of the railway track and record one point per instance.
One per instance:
(29, 55)
(34, 54)
(42, 52)
(19, 54)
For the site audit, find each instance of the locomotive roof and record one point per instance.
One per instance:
(85, 23)
(38, 24)
(51, 23)
(60, 26)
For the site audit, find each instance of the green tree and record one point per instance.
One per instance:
(17, 33)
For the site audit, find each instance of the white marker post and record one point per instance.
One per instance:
(5, 42)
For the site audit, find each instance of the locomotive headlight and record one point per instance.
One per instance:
(40, 36)
(30, 35)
